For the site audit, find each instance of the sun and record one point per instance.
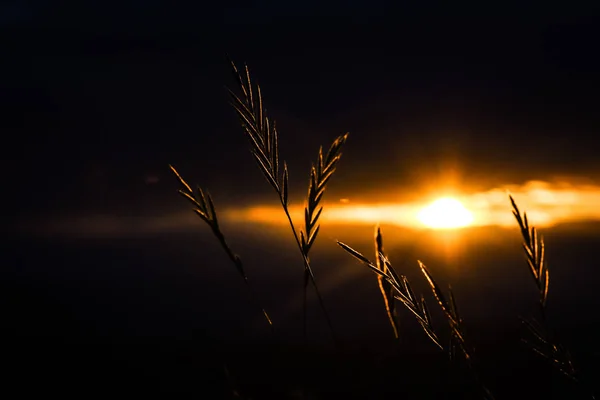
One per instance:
(445, 213)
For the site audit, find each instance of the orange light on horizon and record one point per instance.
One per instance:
(546, 204)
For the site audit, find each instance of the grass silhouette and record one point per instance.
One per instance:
(262, 136)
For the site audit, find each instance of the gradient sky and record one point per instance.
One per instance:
(98, 99)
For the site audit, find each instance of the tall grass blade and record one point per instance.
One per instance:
(319, 176)
(204, 207)
(457, 336)
(386, 289)
(534, 247)
(284, 186)
(264, 145)
(418, 309)
(437, 292)
(544, 343)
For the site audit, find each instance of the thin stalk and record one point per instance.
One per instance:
(237, 261)
(471, 366)
(582, 385)
(533, 244)
(204, 207)
(263, 139)
(308, 274)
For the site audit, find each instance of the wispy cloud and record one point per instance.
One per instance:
(546, 203)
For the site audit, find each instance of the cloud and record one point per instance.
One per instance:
(546, 204)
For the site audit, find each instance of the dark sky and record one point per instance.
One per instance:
(97, 98)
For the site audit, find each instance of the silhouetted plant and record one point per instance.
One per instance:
(205, 209)
(385, 287)
(263, 138)
(400, 289)
(262, 134)
(457, 329)
(543, 342)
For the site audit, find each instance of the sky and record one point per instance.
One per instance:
(98, 98)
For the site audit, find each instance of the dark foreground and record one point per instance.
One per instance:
(74, 368)
(129, 318)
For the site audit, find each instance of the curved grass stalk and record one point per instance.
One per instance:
(263, 137)
(543, 342)
(385, 287)
(533, 244)
(205, 209)
(458, 337)
(402, 290)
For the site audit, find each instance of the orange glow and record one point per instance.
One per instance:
(445, 213)
(546, 204)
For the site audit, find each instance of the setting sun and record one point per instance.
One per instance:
(445, 213)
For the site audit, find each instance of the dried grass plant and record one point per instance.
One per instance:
(542, 340)
(262, 134)
(457, 329)
(400, 289)
(385, 287)
(395, 286)
(204, 207)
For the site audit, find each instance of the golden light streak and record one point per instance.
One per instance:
(546, 204)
